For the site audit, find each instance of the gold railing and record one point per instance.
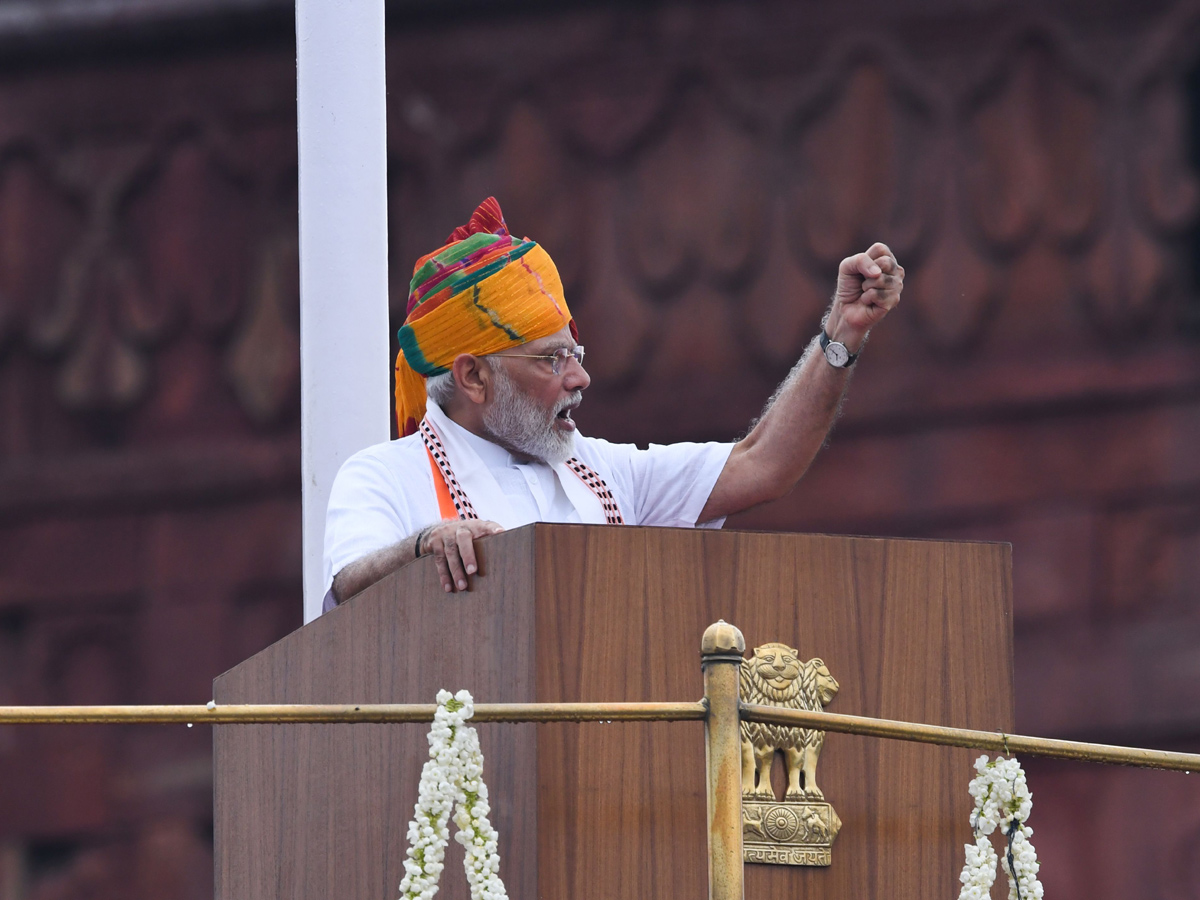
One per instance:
(343, 714)
(721, 711)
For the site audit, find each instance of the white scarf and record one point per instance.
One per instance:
(480, 485)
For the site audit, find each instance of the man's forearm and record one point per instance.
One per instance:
(362, 573)
(769, 461)
(450, 542)
(792, 429)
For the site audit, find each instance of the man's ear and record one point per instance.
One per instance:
(472, 377)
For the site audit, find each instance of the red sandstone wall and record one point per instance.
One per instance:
(697, 172)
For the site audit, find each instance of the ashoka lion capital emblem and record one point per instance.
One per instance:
(800, 828)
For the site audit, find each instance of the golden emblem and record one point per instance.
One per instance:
(799, 829)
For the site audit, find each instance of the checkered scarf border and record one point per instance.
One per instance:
(433, 444)
(612, 512)
(595, 484)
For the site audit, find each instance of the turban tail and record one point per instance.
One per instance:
(481, 293)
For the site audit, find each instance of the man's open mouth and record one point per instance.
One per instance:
(563, 416)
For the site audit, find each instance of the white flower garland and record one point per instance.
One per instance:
(1002, 798)
(452, 779)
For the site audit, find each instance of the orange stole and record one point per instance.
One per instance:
(445, 504)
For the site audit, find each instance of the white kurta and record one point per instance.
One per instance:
(385, 493)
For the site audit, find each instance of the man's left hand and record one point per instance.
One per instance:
(868, 287)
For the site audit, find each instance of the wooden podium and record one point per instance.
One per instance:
(913, 630)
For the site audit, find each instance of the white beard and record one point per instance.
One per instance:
(517, 423)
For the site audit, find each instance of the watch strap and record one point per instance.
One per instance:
(826, 340)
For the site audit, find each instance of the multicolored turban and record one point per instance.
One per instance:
(481, 293)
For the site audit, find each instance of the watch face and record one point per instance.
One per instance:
(837, 354)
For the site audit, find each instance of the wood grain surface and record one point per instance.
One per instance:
(312, 811)
(916, 630)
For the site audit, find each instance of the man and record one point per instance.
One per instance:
(488, 375)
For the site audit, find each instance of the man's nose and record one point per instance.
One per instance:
(576, 377)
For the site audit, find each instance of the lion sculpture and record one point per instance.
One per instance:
(775, 676)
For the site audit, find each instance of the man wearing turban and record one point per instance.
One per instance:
(489, 372)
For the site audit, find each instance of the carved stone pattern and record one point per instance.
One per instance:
(697, 204)
(110, 256)
(729, 193)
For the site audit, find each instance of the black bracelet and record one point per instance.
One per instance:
(421, 535)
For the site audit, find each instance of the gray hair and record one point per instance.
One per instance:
(440, 388)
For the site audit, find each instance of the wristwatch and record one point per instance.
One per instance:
(836, 353)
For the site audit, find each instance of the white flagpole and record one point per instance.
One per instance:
(342, 125)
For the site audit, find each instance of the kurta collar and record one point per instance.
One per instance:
(469, 457)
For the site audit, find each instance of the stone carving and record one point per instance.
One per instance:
(110, 255)
(800, 829)
(688, 202)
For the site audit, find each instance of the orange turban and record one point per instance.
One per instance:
(481, 293)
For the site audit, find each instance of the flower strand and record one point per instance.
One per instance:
(452, 779)
(1002, 800)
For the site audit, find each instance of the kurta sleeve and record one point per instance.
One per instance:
(667, 484)
(367, 512)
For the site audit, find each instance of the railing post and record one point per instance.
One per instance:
(721, 652)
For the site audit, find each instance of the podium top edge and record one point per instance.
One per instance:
(771, 533)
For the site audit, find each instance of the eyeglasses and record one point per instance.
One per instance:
(558, 358)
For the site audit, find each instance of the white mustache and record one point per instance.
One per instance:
(568, 402)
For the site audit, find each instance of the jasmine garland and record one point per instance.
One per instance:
(1002, 798)
(452, 779)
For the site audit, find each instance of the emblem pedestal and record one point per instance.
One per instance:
(789, 832)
